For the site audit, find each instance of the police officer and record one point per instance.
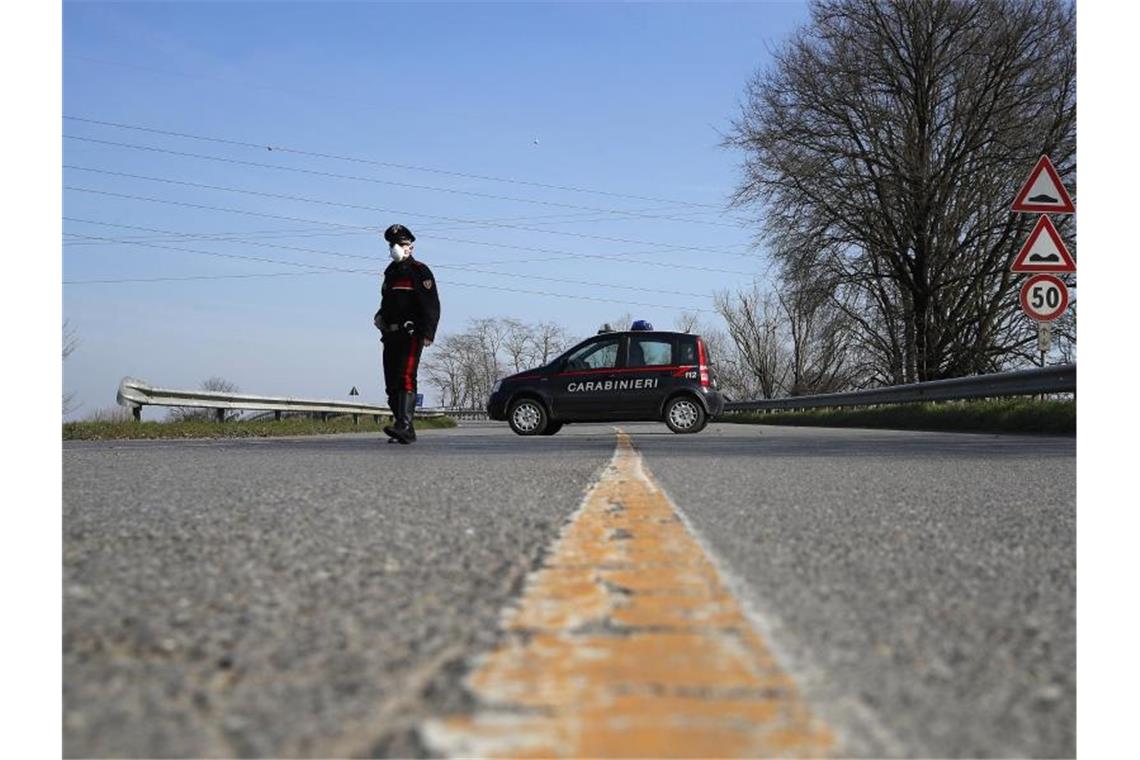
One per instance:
(408, 316)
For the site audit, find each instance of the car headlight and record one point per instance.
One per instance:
(495, 388)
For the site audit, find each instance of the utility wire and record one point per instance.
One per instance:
(219, 236)
(375, 180)
(450, 284)
(379, 209)
(239, 257)
(622, 258)
(354, 159)
(194, 277)
(271, 234)
(371, 273)
(581, 217)
(376, 260)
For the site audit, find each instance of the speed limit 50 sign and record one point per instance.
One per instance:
(1044, 297)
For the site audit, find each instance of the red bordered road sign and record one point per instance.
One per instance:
(1043, 191)
(1044, 252)
(1044, 297)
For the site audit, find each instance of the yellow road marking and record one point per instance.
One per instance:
(626, 643)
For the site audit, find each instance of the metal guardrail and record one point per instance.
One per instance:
(1059, 379)
(461, 413)
(136, 394)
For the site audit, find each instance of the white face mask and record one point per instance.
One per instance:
(398, 252)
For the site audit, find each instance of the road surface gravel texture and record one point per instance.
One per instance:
(324, 596)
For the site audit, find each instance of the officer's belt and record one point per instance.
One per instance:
(394, 328)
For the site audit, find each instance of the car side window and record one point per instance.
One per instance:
(688, 351)
(600, 355)
(650, 352)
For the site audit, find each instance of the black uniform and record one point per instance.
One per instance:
(408, 315)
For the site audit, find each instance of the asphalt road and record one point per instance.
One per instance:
(323, 596)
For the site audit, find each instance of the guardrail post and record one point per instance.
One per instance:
(356, 419)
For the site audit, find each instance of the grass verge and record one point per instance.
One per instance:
(999, 416)
(103, 431)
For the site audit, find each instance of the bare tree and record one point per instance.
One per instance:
(622, 322)
(549, 340)
(733, 377)
(70, 338)
(883, 150)
(1065, 335)
(70, 343)
(444, 369)
(518, 344)
(754, 326)
(490, 337)
(465, 366)
(214, 383)
(688, 322)
(820, 333)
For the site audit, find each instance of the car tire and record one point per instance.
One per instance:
(527, 416)
(552, 427)
(684, 414)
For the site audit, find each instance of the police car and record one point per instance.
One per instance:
(636, 374)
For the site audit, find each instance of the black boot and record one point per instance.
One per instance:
(405, 408)
(390, 430)
(409, 415)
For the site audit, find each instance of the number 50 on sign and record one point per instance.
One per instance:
(1044, 297)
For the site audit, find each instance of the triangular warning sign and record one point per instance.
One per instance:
(1043, 191)
(354, 392)
(1044, 253)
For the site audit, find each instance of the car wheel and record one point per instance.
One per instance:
(552, 427)
(684, 414)
(527, 417)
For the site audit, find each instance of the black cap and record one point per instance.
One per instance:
(398, 233)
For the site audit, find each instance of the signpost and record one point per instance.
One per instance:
(1044, 296)
(1044, 337)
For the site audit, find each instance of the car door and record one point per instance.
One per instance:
(584, 387)
(649, 374)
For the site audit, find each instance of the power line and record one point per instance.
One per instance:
(579, 217)
(465, 268)
(591, 215)
(411, 167)
(194, 277)
(273, 234)
(335, 270)
(199, 252)
(375, 180)
(221, 236)
(623, 258)
(318, 201)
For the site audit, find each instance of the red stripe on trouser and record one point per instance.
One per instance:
(410, 368)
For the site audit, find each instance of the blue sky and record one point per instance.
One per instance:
(626, 100)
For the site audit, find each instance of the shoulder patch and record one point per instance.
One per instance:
(427, 283)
